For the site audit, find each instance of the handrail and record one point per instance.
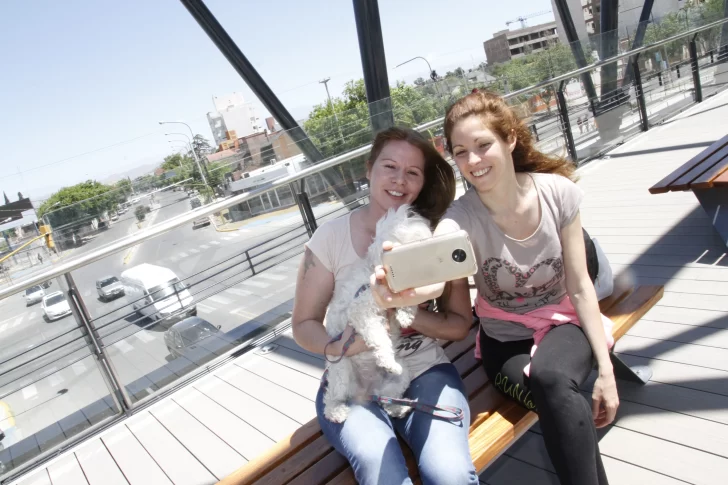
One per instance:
(184, 219)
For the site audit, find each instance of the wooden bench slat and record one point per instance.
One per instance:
(298, 463)
(664, 185)
(721, 180)
(490, 439)
(275, 455)
(457, 349)
(626, 313)
(703, 174)
(346, 477)
(323, 470)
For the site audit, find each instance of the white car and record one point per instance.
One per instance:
(55, 306)
(33, 295)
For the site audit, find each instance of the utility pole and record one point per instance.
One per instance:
(325, 82)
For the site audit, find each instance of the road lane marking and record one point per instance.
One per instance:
(173, 259)
(227, 238)
(144, 336)
(257, 284)
(216, 243)
(32, 315)
(204, 246)
(238, 292)
(193, 251)
(78, 368)
(234, 234)
(182, 255)
(220, 299)
(273, 277)
(123, 346)
(30, 392)
(17, 322)
(55, 378)
(241, 312)
(2, 327)
(204, 308)
(87, 293)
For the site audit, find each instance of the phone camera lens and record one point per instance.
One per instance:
(458, 255)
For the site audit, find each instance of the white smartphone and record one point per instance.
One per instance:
(441, 258)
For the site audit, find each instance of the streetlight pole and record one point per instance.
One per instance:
(197, 160)
(433, 74)
(325, 82)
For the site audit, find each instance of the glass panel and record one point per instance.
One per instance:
(51, 386)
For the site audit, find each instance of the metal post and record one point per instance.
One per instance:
(696, 70)
(639, 38)
(309, 219)
(639, 92)
(565, 122)
(265, 94)
(677, 70)
(81, 314)
(575, 44)
(250, 263)
(374, 63)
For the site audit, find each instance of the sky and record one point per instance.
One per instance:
(84, 82)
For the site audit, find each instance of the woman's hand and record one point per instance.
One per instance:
(357, 346)
(605, 400)
(384, 297)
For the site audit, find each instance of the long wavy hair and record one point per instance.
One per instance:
(504, 122)
(438, 190)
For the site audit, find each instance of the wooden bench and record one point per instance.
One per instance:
(307, 458)
(706, 174)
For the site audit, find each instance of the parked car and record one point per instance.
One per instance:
(200, 222)
(183, 337)
(157, 293)
(55, 306)
(115, 216)
(34, 294)
(109, 287)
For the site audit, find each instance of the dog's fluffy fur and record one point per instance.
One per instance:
(377, 371)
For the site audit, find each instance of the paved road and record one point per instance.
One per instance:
(50, 380)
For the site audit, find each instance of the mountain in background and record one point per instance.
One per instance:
(132, 173)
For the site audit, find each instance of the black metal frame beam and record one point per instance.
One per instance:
(574, 42)
(639, 37)
(265, 94)
(373, 63)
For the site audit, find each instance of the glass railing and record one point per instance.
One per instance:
(178, 280)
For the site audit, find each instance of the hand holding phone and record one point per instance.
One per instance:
(435, 260)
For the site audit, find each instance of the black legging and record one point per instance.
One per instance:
(561, 364)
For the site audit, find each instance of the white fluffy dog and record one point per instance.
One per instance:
(377, 371)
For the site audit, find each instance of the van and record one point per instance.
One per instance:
(156, 292)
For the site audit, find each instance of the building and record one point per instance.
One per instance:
(232, 113)
(576, 8)
(629, 14)
(511, 44)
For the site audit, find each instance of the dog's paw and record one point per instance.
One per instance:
(337, 413)
(393, 367)
(396, 410)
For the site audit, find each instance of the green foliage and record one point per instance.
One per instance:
(667, 26)
(79, 202)
(141, 212)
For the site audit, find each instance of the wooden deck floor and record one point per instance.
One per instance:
(673, 430)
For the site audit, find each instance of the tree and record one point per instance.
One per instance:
(663, 28)
(78, 203)
(202, 146)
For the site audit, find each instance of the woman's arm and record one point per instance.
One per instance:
(452, 322)
(314, 289)
(583, 296)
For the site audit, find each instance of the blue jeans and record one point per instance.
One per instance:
(367, 438)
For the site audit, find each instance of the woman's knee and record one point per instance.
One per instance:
(549, 381)
(448, 469)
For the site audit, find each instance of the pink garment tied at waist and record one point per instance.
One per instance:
(541, 320)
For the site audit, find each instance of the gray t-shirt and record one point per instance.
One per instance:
(518, 275)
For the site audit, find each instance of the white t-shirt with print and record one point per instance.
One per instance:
(331, 243)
